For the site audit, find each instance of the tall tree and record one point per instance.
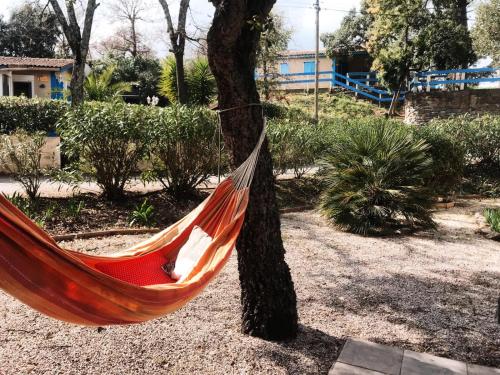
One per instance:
(78, 41)
(273, 41)
(177, 44)
(129, 39)
(408, 35)
(486, 32)
(267, 292)
(32, 31)
(352, 34)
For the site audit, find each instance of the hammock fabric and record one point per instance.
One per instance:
(126, 287)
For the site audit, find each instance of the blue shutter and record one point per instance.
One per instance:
(309, 67)
(284, 68)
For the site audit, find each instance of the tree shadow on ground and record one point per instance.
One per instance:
(457, 318)
(312, 352)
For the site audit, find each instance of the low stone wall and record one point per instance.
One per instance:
(423, 107)
(51, 155)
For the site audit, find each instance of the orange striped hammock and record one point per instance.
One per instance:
(129, 286)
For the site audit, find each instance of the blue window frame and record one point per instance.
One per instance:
(309, 67)
(284, 68)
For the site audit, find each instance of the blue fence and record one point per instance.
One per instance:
(440, 79)
(366, 84)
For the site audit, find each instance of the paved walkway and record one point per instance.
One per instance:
(367, 358)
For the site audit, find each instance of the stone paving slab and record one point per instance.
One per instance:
(360, 357)
(343, 369)
(425, 364)
(365, 354)
(481, 370)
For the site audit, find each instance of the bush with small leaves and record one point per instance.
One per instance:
(32, 115)
(108, 140)
(21, 155)
(184, 148)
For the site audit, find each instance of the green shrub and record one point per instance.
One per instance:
(21, 156)
(184, 148)
(108, 140)
(448, 158)
(294, 145)
(492, 217)
(374, 178)
(480, 139)
(30, 114)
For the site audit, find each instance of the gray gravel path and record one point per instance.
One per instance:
(432, 292)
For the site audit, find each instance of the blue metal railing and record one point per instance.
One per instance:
(365, 83)
(441, 78)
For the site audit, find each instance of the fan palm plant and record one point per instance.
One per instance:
(374, 180)
(100, 86)
(199, 80)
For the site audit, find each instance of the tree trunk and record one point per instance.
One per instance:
(182, 95)
(267, 293)
(77, 82)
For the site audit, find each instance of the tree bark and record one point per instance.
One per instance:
(267, 292)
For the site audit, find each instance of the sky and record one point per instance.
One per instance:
(299, 15)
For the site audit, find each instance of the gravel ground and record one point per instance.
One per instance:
(434, 292)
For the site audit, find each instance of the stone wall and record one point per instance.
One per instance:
(423, 107)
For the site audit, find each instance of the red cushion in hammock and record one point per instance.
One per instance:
(141, 271)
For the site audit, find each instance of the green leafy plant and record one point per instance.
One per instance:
(374, 179)
(100, 86)
(184, 147)
(21, 156)
(23, 203)
(74, 208)
(142, 215)
(492, 216)
(107, 141)
(448, 159)
(199, 79)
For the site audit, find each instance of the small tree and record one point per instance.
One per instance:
(274, 40)
(21, 155)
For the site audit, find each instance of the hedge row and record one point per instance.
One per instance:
(18, 113)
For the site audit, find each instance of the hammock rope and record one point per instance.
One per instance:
(129, 286)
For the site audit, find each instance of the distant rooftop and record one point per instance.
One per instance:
(34, 62)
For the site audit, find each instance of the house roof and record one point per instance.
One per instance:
(34, 62)
(301, 54)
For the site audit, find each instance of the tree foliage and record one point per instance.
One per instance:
(31, 31)
(486, 32)
(273, 41)
(405, 35)
(352, 34)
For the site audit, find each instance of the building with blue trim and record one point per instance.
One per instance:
(34, 77)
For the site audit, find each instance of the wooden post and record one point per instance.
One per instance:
(429, 79)
(334, 71)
